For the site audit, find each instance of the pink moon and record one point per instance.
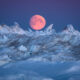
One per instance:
(37, 22)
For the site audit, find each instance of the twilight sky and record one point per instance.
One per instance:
(57, 12)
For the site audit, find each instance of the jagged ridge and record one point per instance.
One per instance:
(17, 44)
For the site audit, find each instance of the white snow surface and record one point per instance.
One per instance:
(47, 45)
(22, 48)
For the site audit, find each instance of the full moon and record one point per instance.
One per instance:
(37, 22)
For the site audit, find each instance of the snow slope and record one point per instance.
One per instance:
(18, 44)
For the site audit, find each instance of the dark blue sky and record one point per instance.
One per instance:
(58, 12)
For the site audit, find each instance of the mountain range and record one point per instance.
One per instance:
(48, 45)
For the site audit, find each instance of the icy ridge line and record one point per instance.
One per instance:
(17, 44)
(15, 29)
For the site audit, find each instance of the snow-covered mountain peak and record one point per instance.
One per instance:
(5, 29)
(70, 28)
(15, 29)
(50, 27)
(50, 30)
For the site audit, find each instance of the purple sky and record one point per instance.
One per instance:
(58, 12)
